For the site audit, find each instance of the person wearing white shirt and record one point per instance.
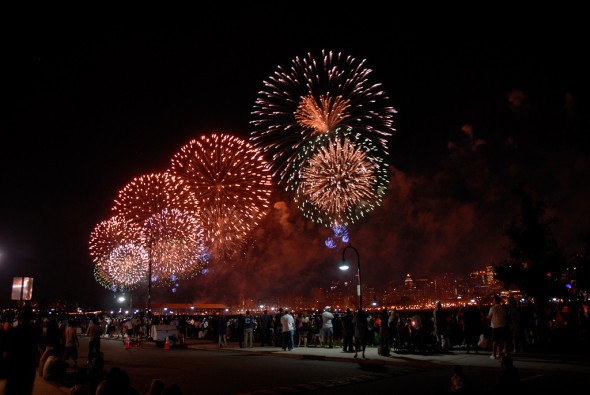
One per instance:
(288, 325)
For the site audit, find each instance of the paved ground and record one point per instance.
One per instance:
(533, 360)
(571, 362)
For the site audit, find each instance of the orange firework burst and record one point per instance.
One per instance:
(232, 184)
(166, 212)
(340, 178)
(110, 234)
(174, 240)
(151, 194)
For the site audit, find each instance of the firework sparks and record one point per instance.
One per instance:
(111, 244)
(340, 179)
(151, 194)
(309, 100)
(124, 268)
(174, 241)
(110, 234)
(232, 184)
(167, 214)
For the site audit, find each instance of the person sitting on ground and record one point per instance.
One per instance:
(156, 387)
(509, 380)
(81, 383)
(96, 374)
(458, 380)
(48, 351)
(54, 367)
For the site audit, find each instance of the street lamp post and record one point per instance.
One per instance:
(344, 266)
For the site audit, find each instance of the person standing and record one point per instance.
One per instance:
(265, 320)
(240, 329)
(278, 329)
(94, 333)
(497, 316)
(22, 353)
(288, 325)
(472, 328)
(441, 329)
(417, 328)
(347, 331)
(249, 329)
(72, 343)
(327, 328)
(222, 331)
(514, 326)
(304, 330)
(384, 337)
(360, 332)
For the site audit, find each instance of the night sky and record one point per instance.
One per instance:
(483, 103)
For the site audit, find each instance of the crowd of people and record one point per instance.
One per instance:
(48, 346)
(32, 345)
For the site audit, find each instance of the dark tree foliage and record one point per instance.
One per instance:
(536, 262)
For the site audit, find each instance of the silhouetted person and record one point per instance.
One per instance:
(384, 336)
(81, 383)
(22, 354)
(240, 322)
(441, 328)
(94, 333)
(116, 382)
(157, 386)
(509, 380)
(472, 328)
(96, 374)
(347, 331)
(360, 332)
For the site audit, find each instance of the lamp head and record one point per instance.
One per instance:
(343, 266)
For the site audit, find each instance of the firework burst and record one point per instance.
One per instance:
(166, 212)
(312, 99)
(151, 194)
(340, 178)
(110, 234)
(124, 268)
(174, 240)
(232, 184)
